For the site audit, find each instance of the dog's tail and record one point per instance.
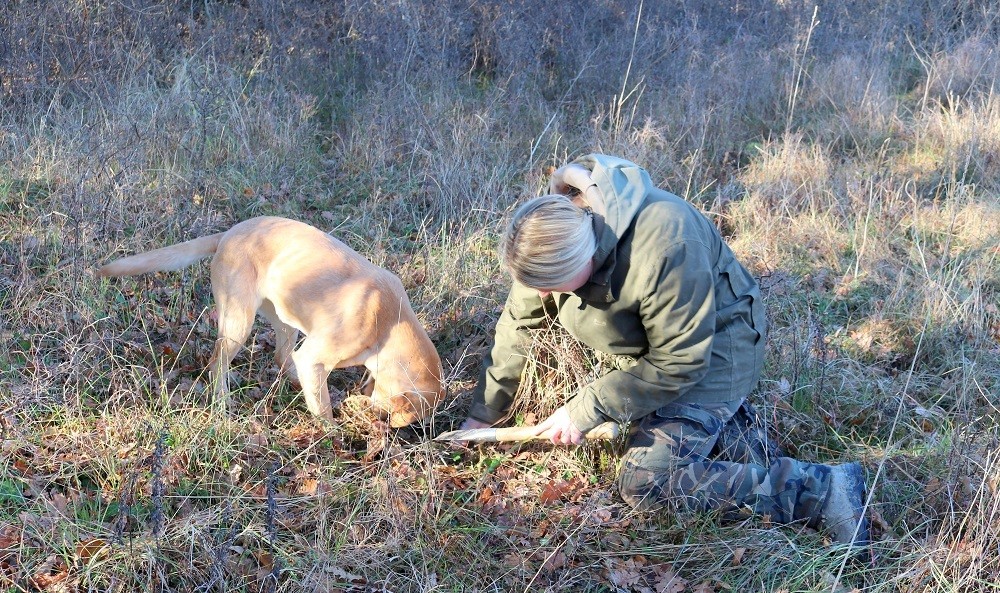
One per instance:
(172, 257)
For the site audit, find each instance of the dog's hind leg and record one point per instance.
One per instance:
(312, 375)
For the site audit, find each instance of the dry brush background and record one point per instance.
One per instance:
(850, 151)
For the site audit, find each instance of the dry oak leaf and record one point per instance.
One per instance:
(554, 491)
(554, 562)
(345, 576)
(49, 573)
(668, 581)
(308, 486)
(625, 574)
(10, 545)
(513, 560)
(10, 538)
(738, 554)
(90, 548)
(558, 488)
(59, 502)
(305, 434)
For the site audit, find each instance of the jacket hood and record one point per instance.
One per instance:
(624, 187)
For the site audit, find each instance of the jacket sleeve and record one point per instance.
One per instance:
(504, 364)
(678, 314)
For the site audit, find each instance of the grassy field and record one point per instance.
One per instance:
(850, 153)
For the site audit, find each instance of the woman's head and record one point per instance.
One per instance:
(549, 242)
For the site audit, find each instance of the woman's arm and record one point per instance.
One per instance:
(679, 317)
(505, 362)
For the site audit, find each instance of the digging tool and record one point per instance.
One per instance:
(605, 432)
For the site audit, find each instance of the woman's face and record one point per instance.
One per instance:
(572, 284)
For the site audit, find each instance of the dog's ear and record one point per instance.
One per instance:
(407, 408)
(399, 420)
(368, 387)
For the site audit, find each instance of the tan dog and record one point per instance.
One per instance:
(301, 279)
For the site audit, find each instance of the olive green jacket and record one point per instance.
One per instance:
(665, 288)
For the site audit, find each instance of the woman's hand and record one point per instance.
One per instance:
(570, 179)
(559, 429)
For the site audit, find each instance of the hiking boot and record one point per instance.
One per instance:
(843, 515)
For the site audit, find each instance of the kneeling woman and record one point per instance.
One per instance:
(635, 271)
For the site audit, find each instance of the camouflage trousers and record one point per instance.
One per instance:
(718, 457)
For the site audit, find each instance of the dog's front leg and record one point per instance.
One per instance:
(312, 375)
(285, 337)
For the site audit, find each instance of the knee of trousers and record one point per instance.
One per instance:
(639, 487)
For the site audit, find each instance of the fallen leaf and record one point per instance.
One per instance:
(10, 545)
(738, 556)
(59, 502)
(50, 572)
(668, 581)
(10, 538)
(626, 576)
(513, 560)
(308, 486)
(600, 516)
(558, 488)
(784, 386)
(554, 562)
(345, 576)
(90, 548)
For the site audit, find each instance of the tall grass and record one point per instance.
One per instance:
(849, 152)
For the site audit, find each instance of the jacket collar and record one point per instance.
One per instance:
(623, 187)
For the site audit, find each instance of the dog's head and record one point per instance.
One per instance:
(408, 400)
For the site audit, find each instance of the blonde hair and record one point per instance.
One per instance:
(548, 241)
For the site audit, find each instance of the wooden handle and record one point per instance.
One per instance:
(608, 431)
(603, 432)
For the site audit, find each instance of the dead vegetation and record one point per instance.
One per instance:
(849, 152)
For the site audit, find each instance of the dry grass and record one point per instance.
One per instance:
(853, 159)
